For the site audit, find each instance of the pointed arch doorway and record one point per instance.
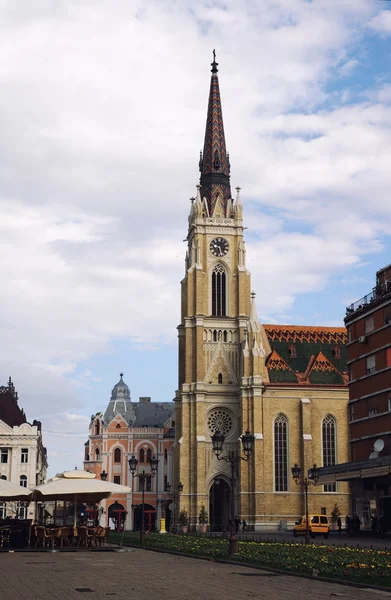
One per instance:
(219, 503)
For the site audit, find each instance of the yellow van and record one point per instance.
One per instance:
(318, 525)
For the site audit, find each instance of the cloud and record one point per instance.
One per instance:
(102, 118)
(381, 22)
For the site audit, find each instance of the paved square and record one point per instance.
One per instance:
(143, 575)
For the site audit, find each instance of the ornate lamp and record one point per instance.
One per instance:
(133, 462)
(314, 473)
(168, 488)
(180, 488)
(103, 475)
(296, 471)
(248, 443)
(218, 442)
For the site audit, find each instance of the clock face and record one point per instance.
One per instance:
(219, 246)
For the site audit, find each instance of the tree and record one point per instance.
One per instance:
(183, 518)
(335, 513)
(203, 515)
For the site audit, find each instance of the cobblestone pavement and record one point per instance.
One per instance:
(143, 575)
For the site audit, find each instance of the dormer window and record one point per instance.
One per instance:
(292, 352)
(97, 428)
(336, 352)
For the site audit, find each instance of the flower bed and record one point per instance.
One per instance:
(350, 564)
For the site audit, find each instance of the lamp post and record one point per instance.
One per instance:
(142, 476)
(305, 482)
(233, 458)
(175, 495)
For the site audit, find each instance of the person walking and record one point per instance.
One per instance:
(339, 524)
(237, 524)
(244, 525)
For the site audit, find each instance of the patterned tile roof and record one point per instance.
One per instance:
(314, 355)
(214, 162)
(306, 333)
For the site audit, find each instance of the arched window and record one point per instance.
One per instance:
(215, 335)
(149, 455)
(23, 481)
(165, 455)
(224, 336)
(219, 292)
(329, 447)
(281, 453)
(117, 455)
(220, 378)
(97, 453)
(97, 428)
(142, 455)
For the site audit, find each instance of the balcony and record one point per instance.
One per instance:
(364, 303)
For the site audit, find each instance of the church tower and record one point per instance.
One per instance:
(221, 345)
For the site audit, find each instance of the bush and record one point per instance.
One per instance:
(203, 516)
(183, 518)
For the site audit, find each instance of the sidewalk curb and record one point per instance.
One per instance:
(362, 586)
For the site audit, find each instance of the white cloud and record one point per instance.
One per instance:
(102, 117)
(381, 22)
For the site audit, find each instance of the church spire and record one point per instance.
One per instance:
(214, 162)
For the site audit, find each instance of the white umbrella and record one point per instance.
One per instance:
(11, 491)
(78, 485)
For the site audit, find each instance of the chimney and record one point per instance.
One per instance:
(144, 399)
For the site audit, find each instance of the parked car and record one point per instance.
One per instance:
(318, 525)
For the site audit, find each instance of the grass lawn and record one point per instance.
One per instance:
(350, 564)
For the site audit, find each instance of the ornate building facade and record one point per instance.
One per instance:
(285, 384)
(142, 428)
(23, 457)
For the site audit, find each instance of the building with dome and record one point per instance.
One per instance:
(143, 428)
(285, 384)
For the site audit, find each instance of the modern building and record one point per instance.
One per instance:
(23, 458)
(285, 384)
(368, 322)
(144, 429)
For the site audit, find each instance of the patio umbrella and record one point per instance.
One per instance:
(11, 491)
(79, 486)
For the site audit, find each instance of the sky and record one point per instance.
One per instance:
(102, 117)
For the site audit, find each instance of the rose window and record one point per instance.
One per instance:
(219, 420)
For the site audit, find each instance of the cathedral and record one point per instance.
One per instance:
(285, 384)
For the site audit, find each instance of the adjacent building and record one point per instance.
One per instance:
(286, 384)
(141, 428)
(23, 457)
(368, 322)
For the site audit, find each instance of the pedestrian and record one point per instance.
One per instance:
(374, 523)
(237, 524)
(339, 524)
(347, 524)
(244, 525)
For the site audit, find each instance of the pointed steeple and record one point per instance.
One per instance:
(214, 162)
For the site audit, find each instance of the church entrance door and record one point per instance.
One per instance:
(219, 497)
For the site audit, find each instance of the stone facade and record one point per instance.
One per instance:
(286, 385)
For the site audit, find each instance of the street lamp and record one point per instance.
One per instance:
(103, 476)
(233, 458)
(133, 462)
(306, 482)
(175, 495)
